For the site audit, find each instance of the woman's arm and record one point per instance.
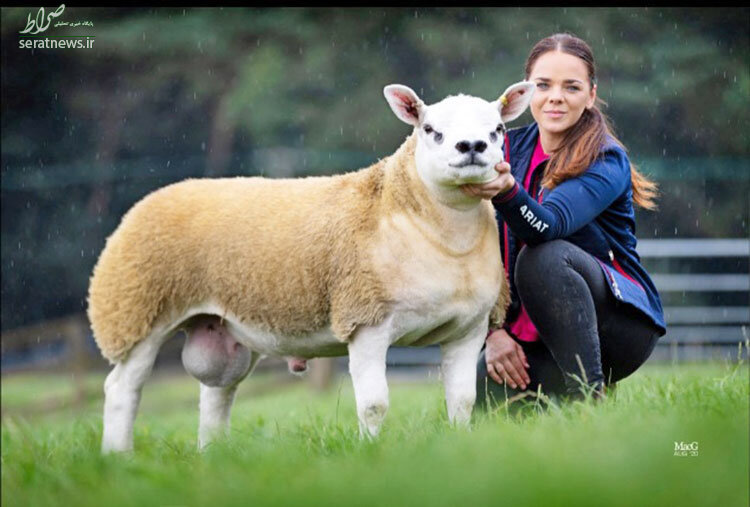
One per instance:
(568, 207)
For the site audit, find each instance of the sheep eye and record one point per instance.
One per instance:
(493, 136)
(500, 129)
(438, 136)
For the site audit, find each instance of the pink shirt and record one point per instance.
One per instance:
(522, 327)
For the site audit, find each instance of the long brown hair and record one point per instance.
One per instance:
(581, 145)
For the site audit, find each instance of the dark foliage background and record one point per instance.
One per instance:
(168, 93)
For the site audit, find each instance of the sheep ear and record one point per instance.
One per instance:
(407, 105)
(515, 100)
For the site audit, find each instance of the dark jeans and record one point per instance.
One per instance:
(567, 297)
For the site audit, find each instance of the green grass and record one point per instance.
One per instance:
(291, 447)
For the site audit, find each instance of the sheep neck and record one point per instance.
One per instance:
(456, 231)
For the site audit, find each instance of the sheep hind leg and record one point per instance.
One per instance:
(122, 393)
(216, 406)
(213, 356)
(215, 409)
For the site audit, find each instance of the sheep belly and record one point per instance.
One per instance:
(320, 343)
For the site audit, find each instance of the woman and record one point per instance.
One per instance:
(583, 310)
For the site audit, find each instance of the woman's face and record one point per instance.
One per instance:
(562, 92)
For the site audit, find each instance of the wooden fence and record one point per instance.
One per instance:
(696, 331)
(701, 329)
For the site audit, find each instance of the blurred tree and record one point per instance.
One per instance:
(167, 94)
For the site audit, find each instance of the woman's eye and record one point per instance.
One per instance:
(542, 86)
(572, 88)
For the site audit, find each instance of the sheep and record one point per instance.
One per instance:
(392, 254)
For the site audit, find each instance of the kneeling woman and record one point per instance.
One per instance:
(582, 306)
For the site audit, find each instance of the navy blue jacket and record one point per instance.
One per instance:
(593, 211)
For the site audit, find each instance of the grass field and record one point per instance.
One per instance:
(291, 447)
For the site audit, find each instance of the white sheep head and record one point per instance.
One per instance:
(459, 139)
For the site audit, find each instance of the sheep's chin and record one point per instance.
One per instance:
(473, 175)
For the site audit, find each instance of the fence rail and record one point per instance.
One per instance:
(694, 332)
(704, 331)
(694, 248)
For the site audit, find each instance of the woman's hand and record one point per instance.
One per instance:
(506, 361)
(503, 183)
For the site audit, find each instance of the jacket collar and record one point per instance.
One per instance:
(521, 143)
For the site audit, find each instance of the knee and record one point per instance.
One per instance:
(543, 255)
(538, 264)
(619, 366)
(122, 384)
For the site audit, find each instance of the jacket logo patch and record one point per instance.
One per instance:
(532, 219)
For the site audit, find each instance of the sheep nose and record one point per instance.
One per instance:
(466, 146)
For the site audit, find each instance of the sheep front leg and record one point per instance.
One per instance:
(367, 353)
(122, 394)
(459, 369)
